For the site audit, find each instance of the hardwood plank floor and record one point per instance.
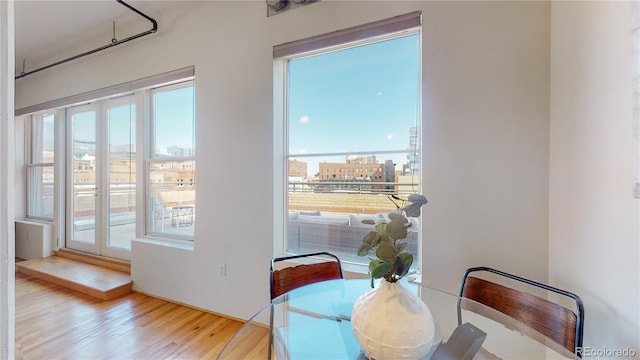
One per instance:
(53, 322)
(101, 282)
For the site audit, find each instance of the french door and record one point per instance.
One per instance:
(101, 167)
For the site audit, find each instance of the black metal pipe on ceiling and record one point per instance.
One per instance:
(110, 45)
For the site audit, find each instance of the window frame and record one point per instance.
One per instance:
(32, 164)
(151, 158)
(281, 127)
(142, 89)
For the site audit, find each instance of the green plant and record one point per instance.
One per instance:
(387, 241)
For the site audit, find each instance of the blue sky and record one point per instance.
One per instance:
(359, 99)
(173, 115)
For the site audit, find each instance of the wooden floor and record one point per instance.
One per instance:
(101, 282)
(53, 322)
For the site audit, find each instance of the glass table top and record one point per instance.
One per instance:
(313, 322)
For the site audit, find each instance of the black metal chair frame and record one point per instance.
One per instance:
(271, 290)
(579, 311)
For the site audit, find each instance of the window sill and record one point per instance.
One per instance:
(176, 244)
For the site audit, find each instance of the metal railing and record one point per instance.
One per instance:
(353, 186)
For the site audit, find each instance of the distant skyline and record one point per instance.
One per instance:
(173, 115)
(358, 100)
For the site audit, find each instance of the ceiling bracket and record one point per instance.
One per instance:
(113, 39)
(114, 42)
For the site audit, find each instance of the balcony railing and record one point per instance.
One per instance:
(353, 186)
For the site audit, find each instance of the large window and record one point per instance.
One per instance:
(40, 167)
(129, 164)
(353, 118)
(171, 166)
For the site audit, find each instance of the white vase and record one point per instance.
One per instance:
(390, 322)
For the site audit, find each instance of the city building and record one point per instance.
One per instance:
(357, 174)
(413, 166)
(297, 168)
(177, 151)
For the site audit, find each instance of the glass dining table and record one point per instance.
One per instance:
(313, 322)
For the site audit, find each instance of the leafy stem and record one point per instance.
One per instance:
(386, 241)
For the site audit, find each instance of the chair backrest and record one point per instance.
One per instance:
(292, 277)
(554, 321)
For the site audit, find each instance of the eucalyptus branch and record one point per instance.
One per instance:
(385, 241)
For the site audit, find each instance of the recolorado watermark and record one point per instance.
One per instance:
(617, 353)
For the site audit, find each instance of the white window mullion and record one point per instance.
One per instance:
(280, 154)
(60, 176)
(142, 138)
(102, 176)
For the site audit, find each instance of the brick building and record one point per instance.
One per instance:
(355, 172)
(297, 168)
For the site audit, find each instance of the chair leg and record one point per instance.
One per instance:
(270, 353)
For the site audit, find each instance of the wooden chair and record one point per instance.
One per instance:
(289, 278)
(560, 327)
(292, 277)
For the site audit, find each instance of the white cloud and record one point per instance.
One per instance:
(301, 151)
(390, 136)
(304, 119)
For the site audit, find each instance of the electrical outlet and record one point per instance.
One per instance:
(222, 270)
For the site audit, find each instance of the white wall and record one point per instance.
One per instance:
(486, 107)
(7, 163)
(486, 103)
(593, 219)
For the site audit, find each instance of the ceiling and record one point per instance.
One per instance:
(46, 29)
